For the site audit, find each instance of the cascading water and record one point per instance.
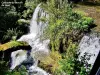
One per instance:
(90, 44)
(39, 48)
(34, 23)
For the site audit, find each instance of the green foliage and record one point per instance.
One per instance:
(82, 13)
(50, 63)
(23, 21)
(20, 71)
(64, 23)
(65, 29)
(30, 6)
(4, 69)
(67, 64)
(9, 23)
(14, 32)
(8, 18)
(71, 65)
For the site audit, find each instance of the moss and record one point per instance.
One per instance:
(50, 64)
(11, 44)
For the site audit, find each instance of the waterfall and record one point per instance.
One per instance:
(39, 48)
(90, 45)
(34, 23)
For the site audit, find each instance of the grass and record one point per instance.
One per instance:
(91, 11)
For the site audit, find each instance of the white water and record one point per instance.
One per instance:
(34, 24)
(39, 48)
(90, 44)
(16, 59)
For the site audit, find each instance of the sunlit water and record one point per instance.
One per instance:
(39, 48)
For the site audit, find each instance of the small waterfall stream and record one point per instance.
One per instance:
(39, 48)
(89, 44)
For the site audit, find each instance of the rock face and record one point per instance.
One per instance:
(90, 45)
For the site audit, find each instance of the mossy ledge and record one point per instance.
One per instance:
(14, 44)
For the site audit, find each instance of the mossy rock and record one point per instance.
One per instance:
(11, 44)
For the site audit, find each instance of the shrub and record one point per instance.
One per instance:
(4, 69)
(50, 64)
(70, 64)
(8, 18)
(64, 23)
(14, 32)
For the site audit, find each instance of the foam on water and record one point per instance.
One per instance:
(90, 44)
(39, 48)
